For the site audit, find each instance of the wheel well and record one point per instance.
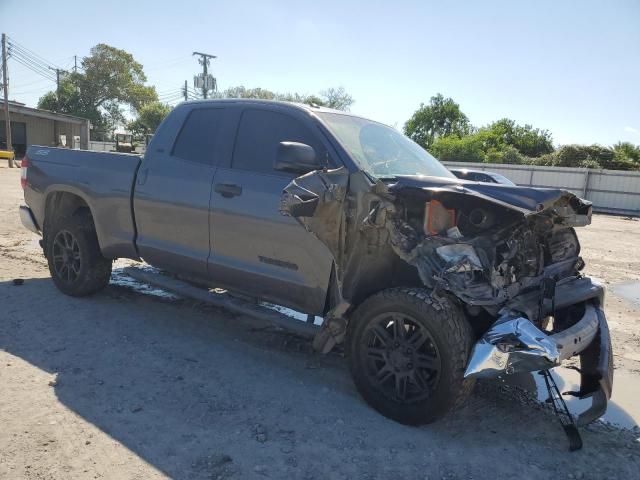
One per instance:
(63, 204)
(383, 275)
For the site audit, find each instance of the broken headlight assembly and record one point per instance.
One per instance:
(563, 244)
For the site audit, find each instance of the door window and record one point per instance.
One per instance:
(197, 139)
(259, 134)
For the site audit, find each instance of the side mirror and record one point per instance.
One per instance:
(296, 158)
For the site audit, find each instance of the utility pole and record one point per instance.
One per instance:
(204, 61)
(5, 85)
(55, 123)
(75, 63)
(58, 72)
(185, 91)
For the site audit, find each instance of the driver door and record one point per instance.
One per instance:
(255, 249)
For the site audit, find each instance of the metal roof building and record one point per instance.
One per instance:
(32, 126)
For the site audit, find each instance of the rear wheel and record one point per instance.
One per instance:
(76, 264)
(407, 354)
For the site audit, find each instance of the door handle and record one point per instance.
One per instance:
(228, 190)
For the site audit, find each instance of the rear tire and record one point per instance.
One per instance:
(76, 264)
(407, 354)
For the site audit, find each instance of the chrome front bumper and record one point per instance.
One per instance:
(513, 344)
(28, 220)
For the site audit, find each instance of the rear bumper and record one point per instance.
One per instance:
(28, 220)
(514, 344)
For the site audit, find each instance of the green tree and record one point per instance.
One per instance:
(627, 151)
(445, 131)
(336, 98)
(442, 117)
(501, 142)
(456, 149)
(150, 115)
(110, 81)
(243, 92)
(504, 154)
(582, 155)
(529, 141)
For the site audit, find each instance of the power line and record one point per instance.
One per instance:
(175, 97)
(31, 63)
(17, 52)
(167, 93)
(170, 98)
(42, 73)
(11, 41)
(34, 62)
(13, 49)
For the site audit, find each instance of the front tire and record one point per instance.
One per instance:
(407, 354)
(76, 264)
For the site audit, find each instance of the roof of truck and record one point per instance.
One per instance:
(300, 106)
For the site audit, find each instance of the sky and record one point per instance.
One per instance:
(572, 67)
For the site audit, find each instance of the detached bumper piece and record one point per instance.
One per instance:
(513, 344)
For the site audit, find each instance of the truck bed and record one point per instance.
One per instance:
(103, 180)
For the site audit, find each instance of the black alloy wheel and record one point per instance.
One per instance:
(402, 358)
(67, 260)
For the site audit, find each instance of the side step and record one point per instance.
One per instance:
(223, 300)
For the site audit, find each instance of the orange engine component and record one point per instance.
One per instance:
(438, 218)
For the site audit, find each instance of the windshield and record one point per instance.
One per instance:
(501, 179)
(380, 150)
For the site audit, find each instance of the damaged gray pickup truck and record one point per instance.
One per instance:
(429, 281)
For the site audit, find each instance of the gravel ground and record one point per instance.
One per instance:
(134, 385)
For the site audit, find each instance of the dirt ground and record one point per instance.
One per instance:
(127, 385)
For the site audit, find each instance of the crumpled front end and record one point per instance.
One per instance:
(517, 263)
(486, 251)
(510, 255)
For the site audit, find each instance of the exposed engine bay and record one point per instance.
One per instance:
(482, 252)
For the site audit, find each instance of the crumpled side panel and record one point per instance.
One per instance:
(316, 200)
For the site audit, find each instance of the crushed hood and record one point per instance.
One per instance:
(527, 200)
